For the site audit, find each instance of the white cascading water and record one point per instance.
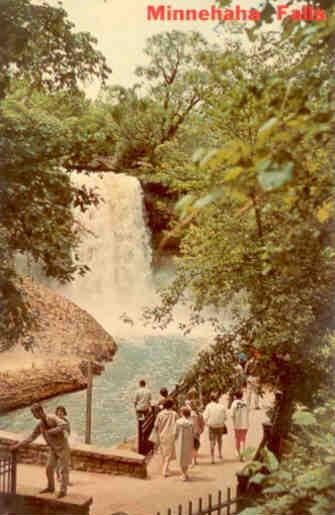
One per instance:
(118, 252)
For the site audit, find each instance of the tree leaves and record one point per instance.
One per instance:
(270, 460)
(303, 418)
(43, 127)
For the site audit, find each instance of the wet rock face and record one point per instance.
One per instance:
(159, 213)
(65, 339)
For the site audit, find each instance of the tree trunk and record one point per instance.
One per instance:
(281, 422)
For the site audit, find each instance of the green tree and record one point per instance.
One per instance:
(304, 482)
(146, 122)
(44, 125)
(259, 218)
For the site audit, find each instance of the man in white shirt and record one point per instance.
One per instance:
(142, 400)
(215, 417)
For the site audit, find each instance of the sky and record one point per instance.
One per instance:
(121, 28)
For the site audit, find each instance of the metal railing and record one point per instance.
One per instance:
(7, 471)
(219, 505)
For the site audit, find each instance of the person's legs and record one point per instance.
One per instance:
(196, 448)
(58, 472)
(243, 438)
(50, 471)
(219, 440)
(184, 473)
(64, 464)
(212, 442)
(166, 462)
(237, 441)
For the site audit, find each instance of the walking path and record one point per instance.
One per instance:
(157, 494)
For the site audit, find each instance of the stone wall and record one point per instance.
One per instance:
(29, 502)
(88, 458)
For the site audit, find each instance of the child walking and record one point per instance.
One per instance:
(240, 416)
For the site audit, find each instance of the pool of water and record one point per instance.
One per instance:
(161, 361)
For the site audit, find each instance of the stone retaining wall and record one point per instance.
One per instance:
(87, 458)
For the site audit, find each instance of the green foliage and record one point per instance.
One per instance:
(257, 219)
(38, 42)
(257, 216)
(151, 113)
(46, 125)
(304, 481)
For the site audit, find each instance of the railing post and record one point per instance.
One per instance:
(242, 490)
(88, 430)
(13, 473)
(228, 501)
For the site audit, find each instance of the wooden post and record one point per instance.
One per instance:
(89, 403)
(13, 473)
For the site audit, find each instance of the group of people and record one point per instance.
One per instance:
(177, 437)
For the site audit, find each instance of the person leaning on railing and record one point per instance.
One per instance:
(54, 430)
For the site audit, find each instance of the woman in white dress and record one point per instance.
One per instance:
(184, 436)
(165, 425)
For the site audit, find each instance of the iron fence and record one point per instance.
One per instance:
(7, 471)
(219, 505)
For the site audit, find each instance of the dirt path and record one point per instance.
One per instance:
(156, 494)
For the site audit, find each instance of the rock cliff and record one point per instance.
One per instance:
(65, 338)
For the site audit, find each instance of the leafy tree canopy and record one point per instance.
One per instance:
(258, 214)
(45, 123)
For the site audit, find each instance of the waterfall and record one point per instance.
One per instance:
(116, 247)
(118, 252)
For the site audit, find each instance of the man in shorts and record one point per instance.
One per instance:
(215, 417)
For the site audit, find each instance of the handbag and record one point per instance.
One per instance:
(224, 430)
(196, 443)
